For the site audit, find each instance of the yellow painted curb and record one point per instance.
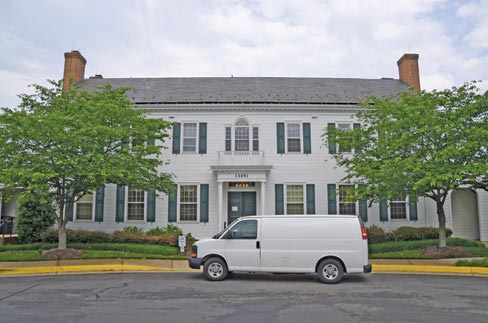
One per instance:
(85, 268)
(431, 269)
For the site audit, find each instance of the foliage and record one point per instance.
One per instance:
(61, 144)
(419, 144)
(412, 233)
(170, 229)
(133, 229)
(33, 219)
(403, 254)
(377, 234)
(473, 263)
(411, 245)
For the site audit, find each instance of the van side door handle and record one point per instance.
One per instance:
(258, 245)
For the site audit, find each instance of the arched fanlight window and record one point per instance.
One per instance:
(241, 135)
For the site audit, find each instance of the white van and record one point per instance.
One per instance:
(329, 245)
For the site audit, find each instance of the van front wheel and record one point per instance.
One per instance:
(215, 269)
(330, 271)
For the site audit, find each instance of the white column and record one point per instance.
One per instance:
(263, 198)
(220, 225)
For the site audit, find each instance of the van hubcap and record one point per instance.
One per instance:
(215, 270)
(330, 271)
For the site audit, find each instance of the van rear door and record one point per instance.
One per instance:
(242, 246)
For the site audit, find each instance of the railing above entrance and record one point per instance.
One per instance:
(235, 158)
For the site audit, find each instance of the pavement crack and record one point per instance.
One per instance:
(19, 292)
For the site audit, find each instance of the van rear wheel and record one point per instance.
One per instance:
(330, 271)
(215, 269)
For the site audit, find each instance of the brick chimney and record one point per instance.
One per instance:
(408, 70)
(74, 68)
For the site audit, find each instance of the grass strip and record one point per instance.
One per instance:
(472, 263)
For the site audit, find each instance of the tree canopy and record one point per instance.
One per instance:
(420, 144)
(59, 145)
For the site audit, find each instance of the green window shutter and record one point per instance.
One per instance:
(120, 204)
(176, 138)
(151, 206)
(363, 210)
(383, 210)
(279, 199)
(99, 203)
(412, 208)
(356, 126)
(310, 199)
(203, 202)
(331, 197)
(172, 204)
(331, 140)
(202, 138)
(280, 136)
(307, 144)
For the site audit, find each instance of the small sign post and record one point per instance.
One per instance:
(182, 243)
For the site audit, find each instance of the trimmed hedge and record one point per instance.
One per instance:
(378, 235)
(411, 245)
(84, 236)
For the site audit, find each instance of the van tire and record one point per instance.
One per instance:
(215, 269)
(330, 271)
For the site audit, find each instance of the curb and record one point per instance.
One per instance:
(446, 270)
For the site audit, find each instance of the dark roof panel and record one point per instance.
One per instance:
(251, 89)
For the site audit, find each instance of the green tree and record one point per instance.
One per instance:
(59, 145)
(420, 144)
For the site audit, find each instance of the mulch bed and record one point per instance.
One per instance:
(448, 252)
(62, 254)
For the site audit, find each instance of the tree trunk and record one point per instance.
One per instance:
(61, 235)
(442, 224)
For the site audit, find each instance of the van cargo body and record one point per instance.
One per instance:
(328, 245)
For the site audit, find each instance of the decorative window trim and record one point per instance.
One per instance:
(178, 203)
(300, 131)
(285, 196)
(75, 210)
(126, 207)
(232, 139)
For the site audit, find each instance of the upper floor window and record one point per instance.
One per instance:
(346, 145)
(293, 140)
(190, 137)
(246, 137)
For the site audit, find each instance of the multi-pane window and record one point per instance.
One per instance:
(190, 137)
(188, 203)
(84, 207)
(255, 139)
(398, 208)
(346, 145)
(346, 206)
(293, 137)
(241, 136)
(294, 199)
(135, 204)
(228, 138)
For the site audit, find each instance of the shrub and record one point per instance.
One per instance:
(412, 234)
(170, 229)
(377, 234)
(133, 229)
(33, 220)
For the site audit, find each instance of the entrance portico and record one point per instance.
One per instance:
(240, 187)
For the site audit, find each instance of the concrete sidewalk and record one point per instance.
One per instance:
(444, 267)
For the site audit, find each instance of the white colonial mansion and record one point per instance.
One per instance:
(253, 145)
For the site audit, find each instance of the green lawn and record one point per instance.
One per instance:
(29, 252)
(473, 263)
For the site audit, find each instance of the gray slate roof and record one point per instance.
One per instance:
(251, 89)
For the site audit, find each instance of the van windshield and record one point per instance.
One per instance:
(218, 235)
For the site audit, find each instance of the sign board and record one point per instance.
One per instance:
(182, 243)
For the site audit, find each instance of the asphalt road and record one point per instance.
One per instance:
(186, 297)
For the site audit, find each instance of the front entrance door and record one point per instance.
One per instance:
(240, 204)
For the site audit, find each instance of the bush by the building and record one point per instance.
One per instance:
(32, 221)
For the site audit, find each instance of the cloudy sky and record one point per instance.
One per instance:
(311, 38)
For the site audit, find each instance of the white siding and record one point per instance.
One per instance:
(465, 221)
